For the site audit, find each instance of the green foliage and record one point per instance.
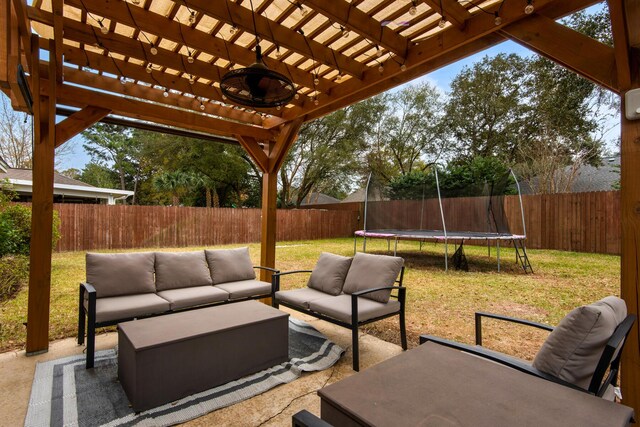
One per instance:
(469, 179)
(14, 271)
(15, 226)
(98, 176)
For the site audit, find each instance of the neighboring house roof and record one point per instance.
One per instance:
(589, 178)
(21, 181)
(318, 199)
(359, 196)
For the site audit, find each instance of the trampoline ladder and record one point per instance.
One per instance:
(521, 256)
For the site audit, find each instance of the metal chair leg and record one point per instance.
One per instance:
(82, 318)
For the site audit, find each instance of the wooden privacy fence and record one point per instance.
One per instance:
(90, 227)
(581, 222)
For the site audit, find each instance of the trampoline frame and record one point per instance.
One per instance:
(442, 235)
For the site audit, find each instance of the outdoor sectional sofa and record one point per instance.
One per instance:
(128, 286)
(349, 292)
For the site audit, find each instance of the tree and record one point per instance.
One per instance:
(327, 151)
(98, 176)
(408, 135)
(116, 147)
(484, 114)
(16, 138)
(176, 183)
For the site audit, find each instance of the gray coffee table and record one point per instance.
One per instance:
(162, 359)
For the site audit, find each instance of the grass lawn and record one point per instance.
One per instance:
(439, 303)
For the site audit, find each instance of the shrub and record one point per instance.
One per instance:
(14, 271)
(15, 227)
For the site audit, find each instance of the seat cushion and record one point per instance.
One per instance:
(121, 274)
(339, 307)
(329, 273)
(573, 349)
(181, 270)
(191, 297)
(369, 271)
(245, 288)
(129, 306)
(230, 265)
(300, 297)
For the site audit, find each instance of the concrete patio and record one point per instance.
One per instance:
(273, 408)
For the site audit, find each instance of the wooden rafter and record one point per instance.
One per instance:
(343, 13)
(255, 151)
(241, 17)
(57, 6)
(575, 51)
(451, 10)
(196, 40)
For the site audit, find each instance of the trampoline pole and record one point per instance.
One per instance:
(498, 255)
(444, 226)
(524, 227)
(366, 202)
(395, 249)
(446, 254)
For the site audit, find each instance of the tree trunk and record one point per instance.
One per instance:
(216, 199)
(207, 193)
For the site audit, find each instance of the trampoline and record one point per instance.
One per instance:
(473, 213)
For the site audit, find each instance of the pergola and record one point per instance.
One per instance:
(158, 64)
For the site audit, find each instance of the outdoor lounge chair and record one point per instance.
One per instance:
(584, 347)
(349, 292)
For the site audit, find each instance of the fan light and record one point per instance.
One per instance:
(257, 86)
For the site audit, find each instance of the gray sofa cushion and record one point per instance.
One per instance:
(181, 270)
(339, 307)
(369, 271)
(191, 297)
(572, 350)
(230, 265)
(129, 306)
(329, 273)
(121, 274)
(300, 297)
(245, 288)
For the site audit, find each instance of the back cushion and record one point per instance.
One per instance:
(572, 350)
(230, 265)
(372, 271)
(121, 274)
(181, 270)
(329, 273)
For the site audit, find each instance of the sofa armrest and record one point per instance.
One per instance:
(402, 292)
(275, 278)
(480, 315)
(500, 358)
(88, 290)
(273, 270)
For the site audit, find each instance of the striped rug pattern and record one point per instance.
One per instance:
(64, 393)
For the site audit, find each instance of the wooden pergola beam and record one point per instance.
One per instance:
(255, 151)
(353, 18)
(569, 48)
(170, 29)
(284, 141)
(79, 97)
(620, 44)
(115, 43)
(452, 11)
(241, 17)
(451, 44)
(24, 28)
(78, 122)
(58, 36)
(82, 58)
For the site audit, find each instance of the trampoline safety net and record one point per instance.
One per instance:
(426, 207)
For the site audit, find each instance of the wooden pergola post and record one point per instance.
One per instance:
(44, 139)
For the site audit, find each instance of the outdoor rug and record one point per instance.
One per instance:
(64, 393)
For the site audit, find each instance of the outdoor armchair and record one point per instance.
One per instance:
(349, 292)
(583, 352)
